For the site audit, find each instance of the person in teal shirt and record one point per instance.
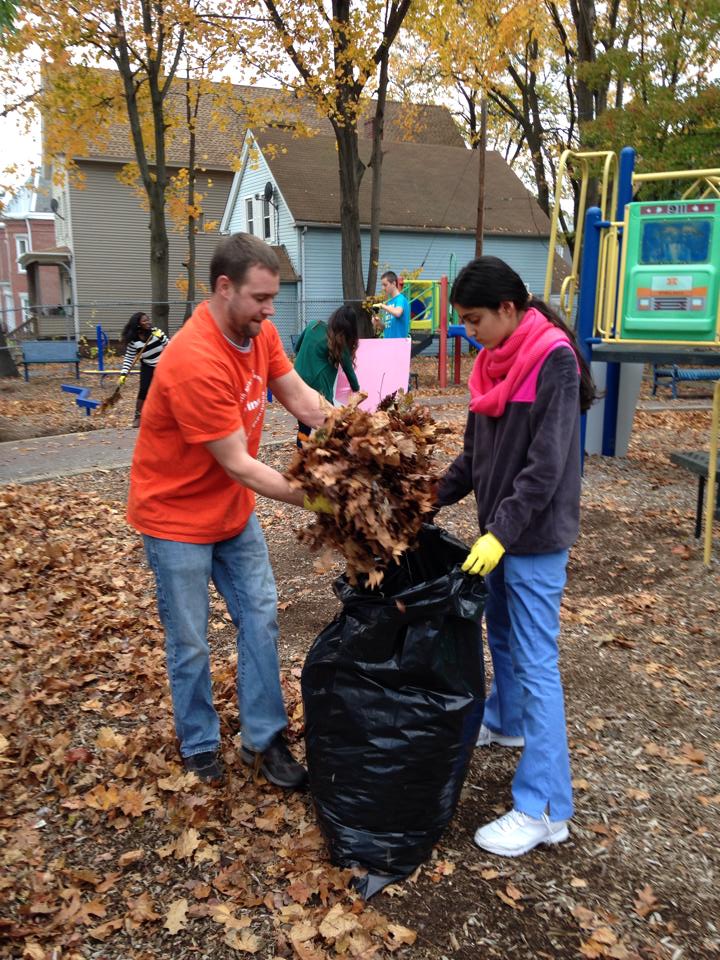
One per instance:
(396, 306)
(320, 350)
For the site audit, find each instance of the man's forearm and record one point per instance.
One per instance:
(302, 401)
(314, 410)
(263, 479)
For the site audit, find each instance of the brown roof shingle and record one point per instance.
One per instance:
(228, 109)
(424, 186)
(287, 270)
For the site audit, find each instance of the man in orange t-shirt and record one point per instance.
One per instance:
(193, 482)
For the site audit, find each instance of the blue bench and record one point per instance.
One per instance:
(675, 374)
(698, 462)
(50, 351)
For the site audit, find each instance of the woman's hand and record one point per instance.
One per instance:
(485, 555)
(318, 504)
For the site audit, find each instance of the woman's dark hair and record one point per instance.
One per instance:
(489, 281)
(342, 332)
(132, 329)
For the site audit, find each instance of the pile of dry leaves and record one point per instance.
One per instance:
(107, 847)
(376, 470)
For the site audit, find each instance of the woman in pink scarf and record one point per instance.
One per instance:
(521, 459)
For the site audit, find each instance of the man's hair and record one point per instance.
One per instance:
(391, 276)
(234, 256)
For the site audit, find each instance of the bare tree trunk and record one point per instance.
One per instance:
(583, 14)
(351, 171)
(192, 222)
(154, 174)
(376, 165)
(8, 367)
(159, 260)
(481, 148)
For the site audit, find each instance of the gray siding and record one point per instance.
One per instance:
(409, 252)
(111, 248)
(286, 313)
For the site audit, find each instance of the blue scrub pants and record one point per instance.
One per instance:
(526, 698)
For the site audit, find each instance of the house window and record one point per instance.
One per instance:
(267, 221)
(249, 216)
(21, 246)
(8, 307)
(24, 307)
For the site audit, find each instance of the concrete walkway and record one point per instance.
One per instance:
(45, 458)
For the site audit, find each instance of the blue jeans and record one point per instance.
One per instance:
(526, 697)
(240, 569)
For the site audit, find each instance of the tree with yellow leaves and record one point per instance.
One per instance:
(467, 45)
(338, 50)
(146, 44)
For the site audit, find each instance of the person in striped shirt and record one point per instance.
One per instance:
(139, 334)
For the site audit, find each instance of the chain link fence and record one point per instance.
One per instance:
(61, 322)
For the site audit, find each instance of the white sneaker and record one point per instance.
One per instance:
(488, 736)
(515, 833)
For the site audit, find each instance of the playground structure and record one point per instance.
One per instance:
(647, 285)
(650, 292)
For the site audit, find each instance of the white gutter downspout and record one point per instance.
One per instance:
(303, 313)
(73, 275)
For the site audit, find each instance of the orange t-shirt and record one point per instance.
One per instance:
(203, 389)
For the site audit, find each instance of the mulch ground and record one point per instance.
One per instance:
(107, 851)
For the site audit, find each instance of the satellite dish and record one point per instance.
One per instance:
(269, 191)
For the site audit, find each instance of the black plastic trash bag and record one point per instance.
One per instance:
(394, 691)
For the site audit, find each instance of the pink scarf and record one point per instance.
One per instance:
(497, 373)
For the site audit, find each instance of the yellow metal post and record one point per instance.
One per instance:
(608, 203)
(712, 475)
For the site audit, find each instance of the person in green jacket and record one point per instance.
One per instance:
(320, 350)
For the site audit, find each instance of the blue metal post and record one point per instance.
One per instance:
(612, 381)
(102, 342)
(625, 175)
(588, 295)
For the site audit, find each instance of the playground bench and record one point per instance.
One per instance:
(675, 374)
(50, 351)
(697, 462)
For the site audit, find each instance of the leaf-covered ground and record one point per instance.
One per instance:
(108, 851)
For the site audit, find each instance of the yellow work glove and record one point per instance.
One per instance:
(319, 504)
(156, 332)
(121, 379)
(485, 555)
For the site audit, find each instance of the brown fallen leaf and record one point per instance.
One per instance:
(243, 941)
(142, 908)
(338, 922)
(636, 794)
(187, 843)
(130, 856)
(223, 913)
(401, 935)
(510, 901)
(176, 918)
(103, 931)
(108, 739)
(646, 901)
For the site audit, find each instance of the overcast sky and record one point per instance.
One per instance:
(19, 148)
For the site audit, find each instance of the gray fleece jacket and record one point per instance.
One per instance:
(524, 466)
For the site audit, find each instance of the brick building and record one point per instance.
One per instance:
(26, 224)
